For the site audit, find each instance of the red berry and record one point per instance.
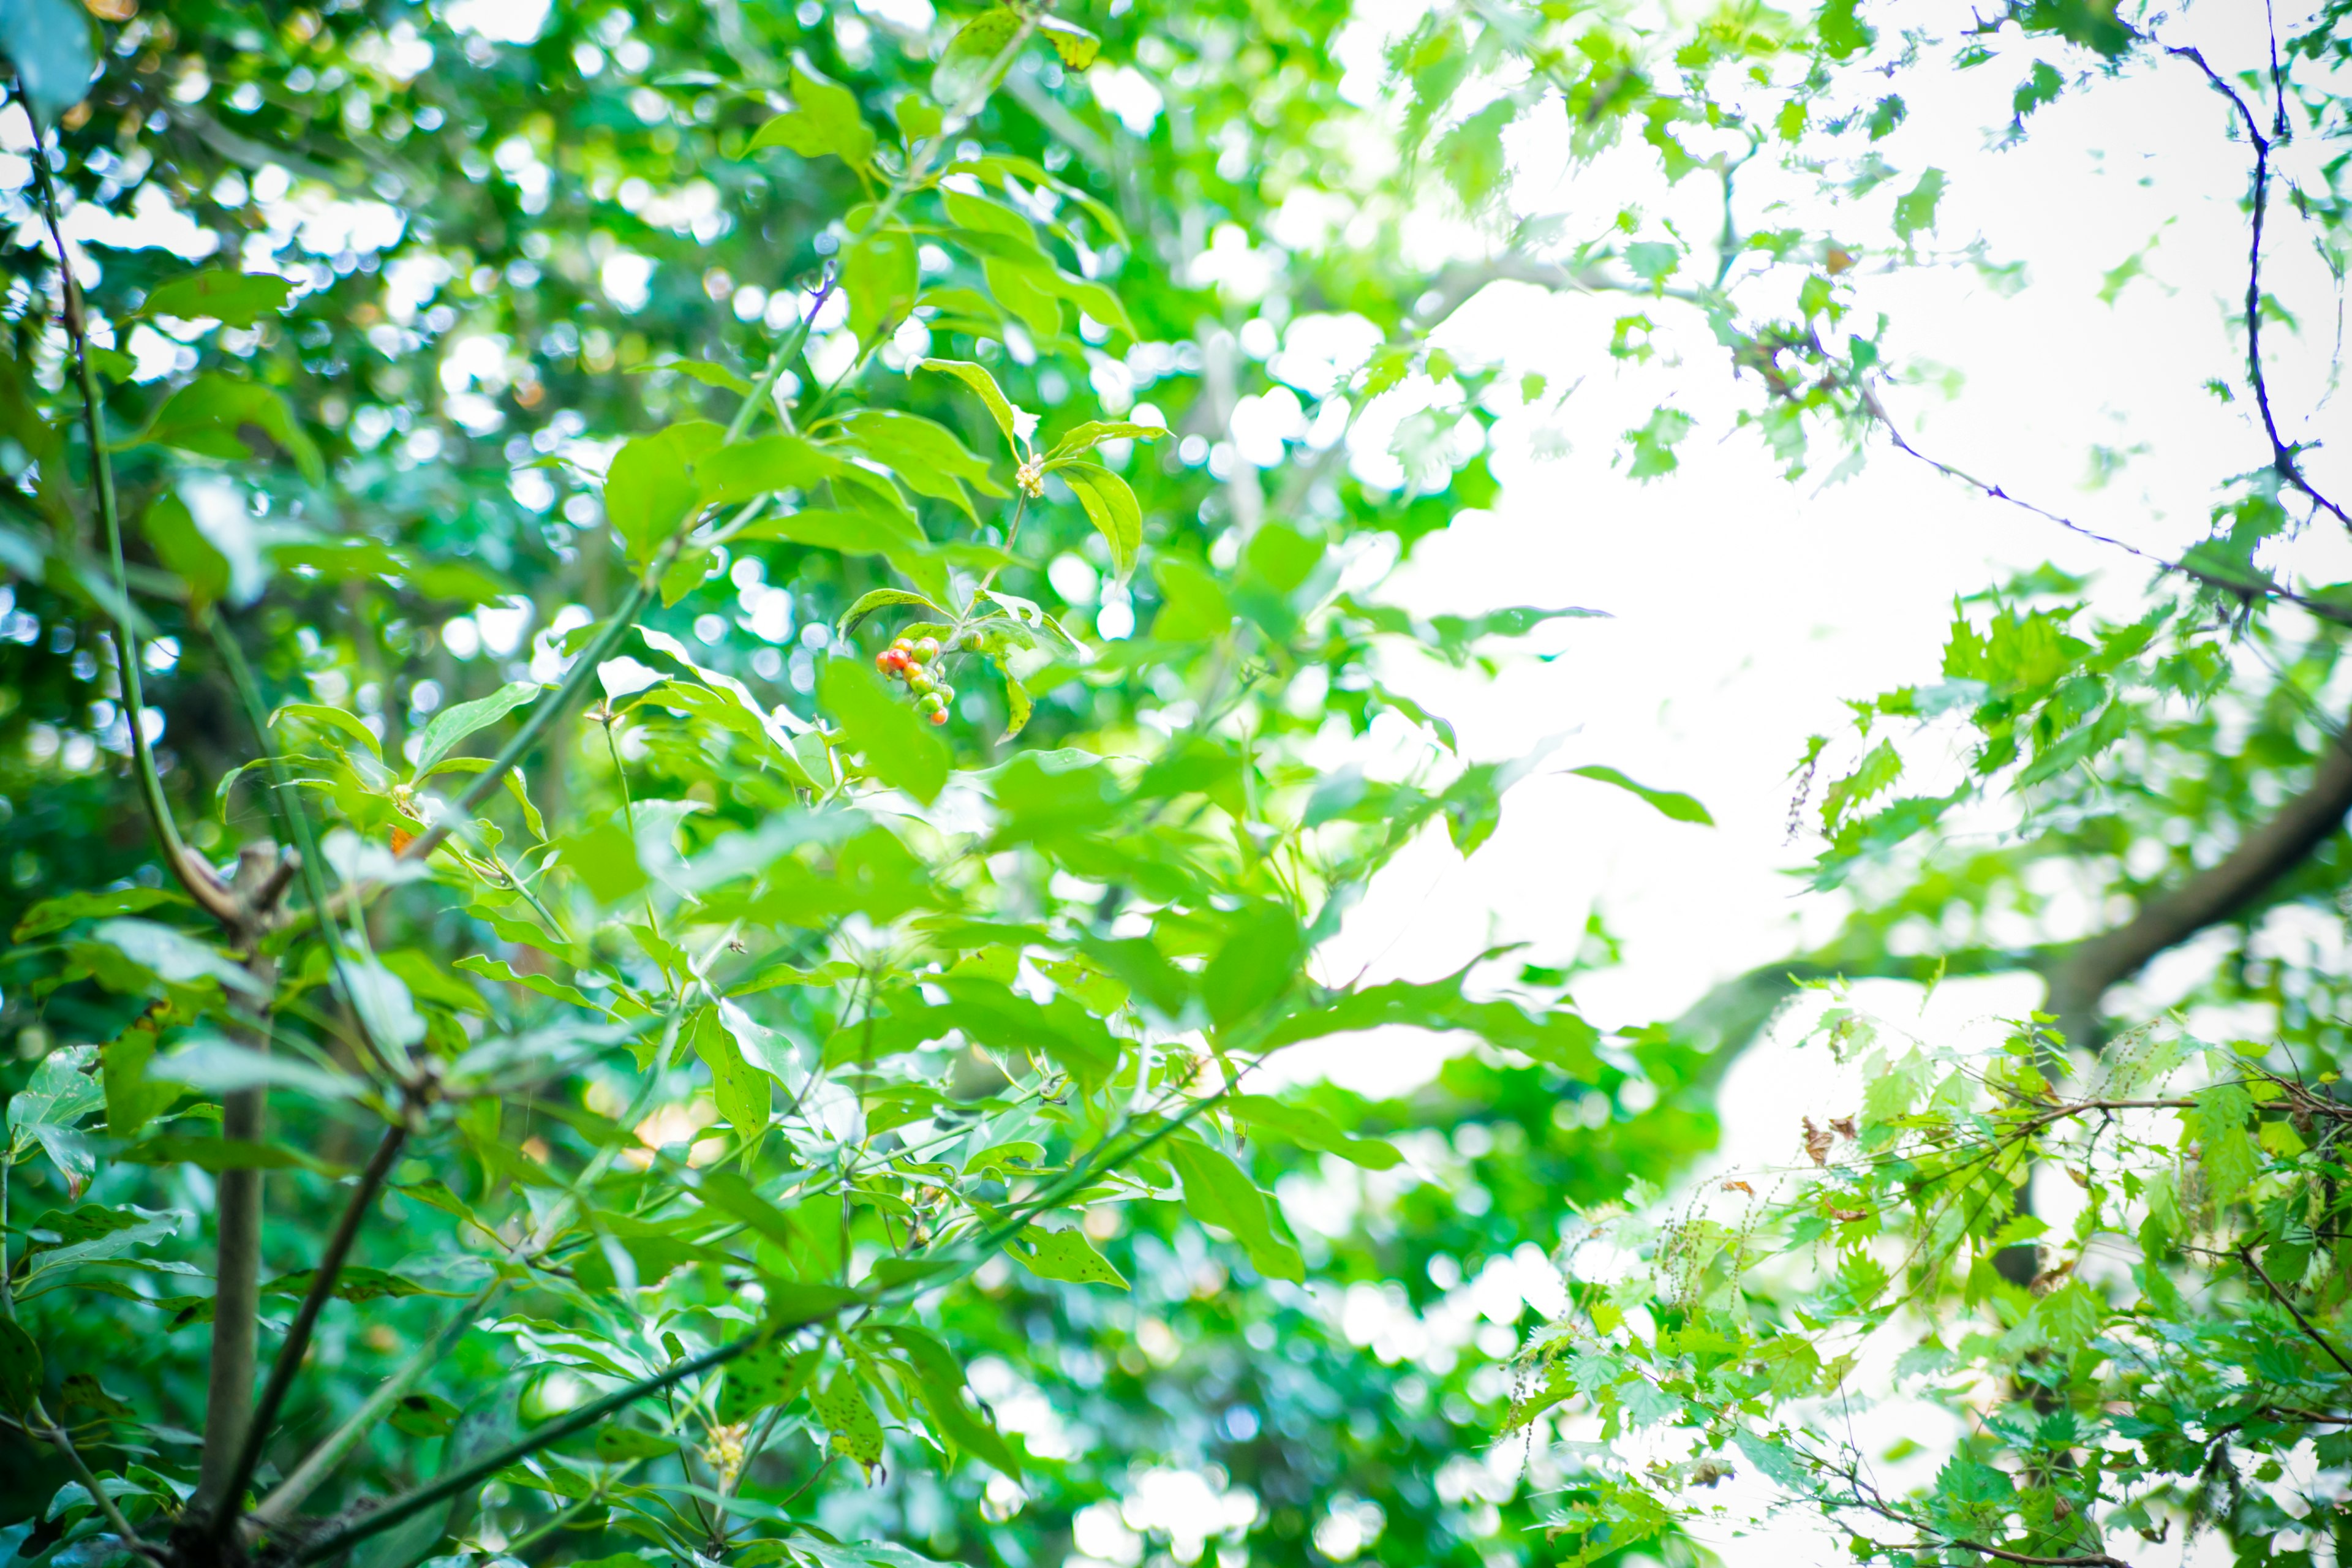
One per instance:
(939, 716)
(884, 661)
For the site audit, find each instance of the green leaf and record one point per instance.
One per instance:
(616, 1443)
(939, 1380)
(173, 957)
(1008, 418)
(185, 551)
(823, 119)
(2227, 1154)
(1680, 807)
(701, 369)
(1258, 963)
(731, 475)
(232, 298)
(651, 490)
(352, 1283)
(841, 1407)
(1218, 1192)
(1082, 439)
(20, 1367)
(216, 415)
(48, 42)
(763, 1377)
(1310, 1129)
(53, 915)
(1192, 604)
(1915, 209)
(926, 455)
(452, 726)
(742, 1091)
(1111, 508)
(1067, 1254)
(961, 80)
(882, 599)
(897, 745)
(1076, 47)
(133, 1098)
(422, 1415)
(881, 275)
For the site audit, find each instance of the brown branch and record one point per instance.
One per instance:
(2264, 855)
(2246, 1257)
(2282, 456)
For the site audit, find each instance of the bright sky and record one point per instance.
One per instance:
(1746, 608)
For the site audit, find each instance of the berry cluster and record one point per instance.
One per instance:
(915, 661)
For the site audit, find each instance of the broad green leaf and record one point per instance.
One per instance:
(1193, 604)
(1915, 209)
(1067, 1254)
(763, 1378)
(731, 475)
(185, 551)
(898, 747)
(1259, 960)
(841, 1406)
(233, 299)
(1680, 807)
(961, 80)
(452, 726)
(1082, 439)
(1218, 1192)
(653, 490)
(741, 1090)
(823, 119)
(1076, 47)
(1111, 508)
(338, 719)
(173, 957)
(849, 534)
(880, 274)
(1308, 1129)
(616, 1442)
(216, 415)
(53, 915)
(422, 1415)
(939, 1380)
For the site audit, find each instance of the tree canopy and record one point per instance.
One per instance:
(687, 694)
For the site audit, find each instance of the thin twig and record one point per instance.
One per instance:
(2282, 456)
(2240, 588)
(187, 867)
(2246, 1257)
(289, 1363)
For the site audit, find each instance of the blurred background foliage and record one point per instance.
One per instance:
(516, 236)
